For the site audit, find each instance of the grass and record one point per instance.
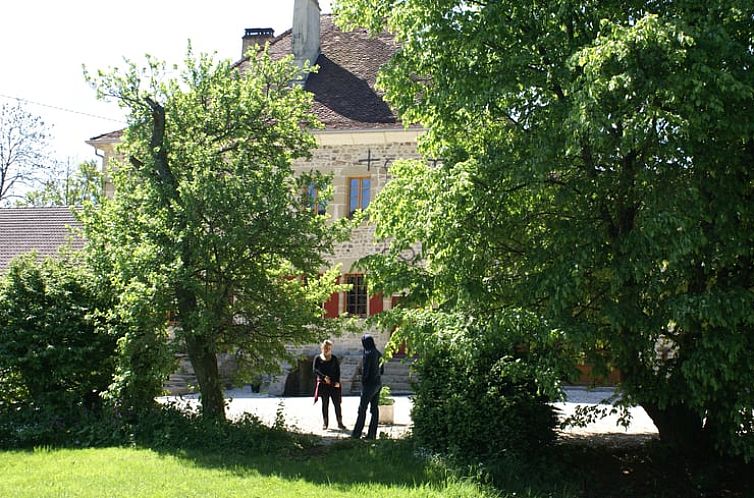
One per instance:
(388, 468)
(385, 469)
(171, 454)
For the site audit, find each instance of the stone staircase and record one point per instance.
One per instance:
(398, 376)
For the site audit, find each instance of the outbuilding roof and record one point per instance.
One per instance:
(44, 229)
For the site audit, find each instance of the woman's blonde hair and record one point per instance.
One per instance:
(326, 342)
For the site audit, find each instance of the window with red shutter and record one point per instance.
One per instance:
(375, 304)
(332, 306)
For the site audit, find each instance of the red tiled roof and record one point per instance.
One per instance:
(112, 136)
(42, 229)
(343, 88)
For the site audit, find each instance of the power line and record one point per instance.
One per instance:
(19, 99)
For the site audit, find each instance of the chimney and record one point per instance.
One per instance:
(305, 39)
(255, 37)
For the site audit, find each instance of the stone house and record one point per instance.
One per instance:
(360, 139)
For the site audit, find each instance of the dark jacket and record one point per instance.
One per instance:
(372, 368)
(324, 368)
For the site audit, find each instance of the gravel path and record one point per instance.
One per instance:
(302, 415)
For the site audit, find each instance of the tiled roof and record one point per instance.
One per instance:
(343, 88)
(42, 229)
(112, 136)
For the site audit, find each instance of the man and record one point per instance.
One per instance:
(371, 383)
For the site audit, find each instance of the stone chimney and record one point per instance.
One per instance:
(305, 38)
(255, 37)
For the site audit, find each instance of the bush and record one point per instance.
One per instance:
(163, 428)
(480, 394)
(54, 356)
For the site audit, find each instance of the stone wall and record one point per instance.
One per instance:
(346, 156)
(347, 348)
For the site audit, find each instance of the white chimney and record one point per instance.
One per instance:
(305, 39)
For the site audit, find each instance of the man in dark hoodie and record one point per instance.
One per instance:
(371, 383)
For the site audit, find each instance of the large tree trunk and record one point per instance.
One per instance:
(204, 360)
(200, 346)
(679, 427)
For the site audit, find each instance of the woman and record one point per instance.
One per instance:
(327, 370)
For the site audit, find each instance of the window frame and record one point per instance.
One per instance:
(360, 197)
(353, 295)
(316, 205)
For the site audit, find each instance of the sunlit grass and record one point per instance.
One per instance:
(345, 470)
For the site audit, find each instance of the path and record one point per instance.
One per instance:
(303, 416)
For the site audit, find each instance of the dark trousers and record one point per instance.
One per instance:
(326, 392)
(370, 396)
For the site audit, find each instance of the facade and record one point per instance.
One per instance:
(362, 136)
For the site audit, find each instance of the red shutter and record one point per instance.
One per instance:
(332, 305)
(394, 300)
(375, 304)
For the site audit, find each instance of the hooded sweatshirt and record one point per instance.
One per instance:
(372, 370)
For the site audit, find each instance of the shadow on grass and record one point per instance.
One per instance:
(328, 461)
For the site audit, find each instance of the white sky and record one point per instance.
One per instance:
(43, 44)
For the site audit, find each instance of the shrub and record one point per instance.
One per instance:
(481, 394)
(54, 355)
(385, 398)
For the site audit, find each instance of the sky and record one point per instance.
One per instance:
(43, 44)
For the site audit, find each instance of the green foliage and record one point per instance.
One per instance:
(64, 188)
(481, 393)
(385, 398)
(56, 353)
(597, 171)
(209, 225)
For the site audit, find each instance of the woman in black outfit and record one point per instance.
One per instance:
(327, 370)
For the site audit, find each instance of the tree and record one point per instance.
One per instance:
(209, 223)
(23, 144)
(597, 169)
(64, 188)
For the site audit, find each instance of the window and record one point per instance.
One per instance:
(316, 204)
(358, 194)
(356, 298)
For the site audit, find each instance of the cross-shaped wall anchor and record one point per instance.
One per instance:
(369, 159)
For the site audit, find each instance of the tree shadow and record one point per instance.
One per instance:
(324, 460)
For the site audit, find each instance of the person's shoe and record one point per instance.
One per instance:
(342, 427)
(324, 427)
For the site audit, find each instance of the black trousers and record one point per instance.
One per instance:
(370, 396)
(326, 392)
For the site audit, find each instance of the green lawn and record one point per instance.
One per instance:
(384, 470)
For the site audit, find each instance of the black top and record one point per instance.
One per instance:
(329, 368)
(371, 368)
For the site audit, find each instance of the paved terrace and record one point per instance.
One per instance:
(302, 415)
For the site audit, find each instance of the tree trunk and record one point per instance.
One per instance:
(680, 427)
(200, 346)
(204, 360)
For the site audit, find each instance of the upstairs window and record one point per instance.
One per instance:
(316, 204)
(359, 192)
(356, 298)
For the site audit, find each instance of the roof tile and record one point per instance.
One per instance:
(42, 229)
